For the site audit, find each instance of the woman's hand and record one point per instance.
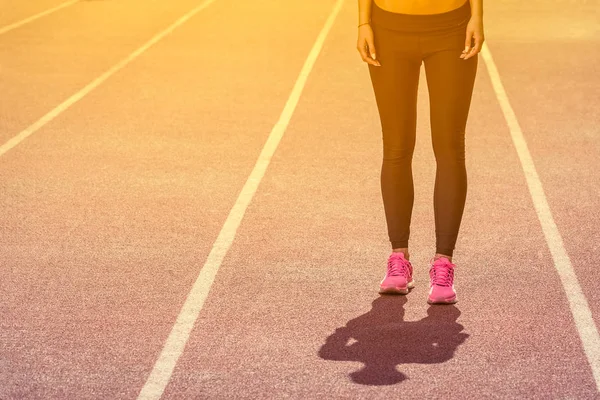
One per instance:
(366, 46)
(474, 31)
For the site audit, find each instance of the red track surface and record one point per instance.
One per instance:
(110, 210)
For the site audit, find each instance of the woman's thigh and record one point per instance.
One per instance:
(395, 85)
(450, 81)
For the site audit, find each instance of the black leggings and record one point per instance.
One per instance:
(402, 43)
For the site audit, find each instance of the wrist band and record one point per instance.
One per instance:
(364, 23)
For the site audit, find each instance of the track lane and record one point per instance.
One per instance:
(115, 203)
(46, 62)
(17, 14)
(556, 106)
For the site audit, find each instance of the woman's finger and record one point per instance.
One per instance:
(372, 48)
(362, 49)
(468, 39)
(372, 53)
(364, 53)
(478, 44)
(476, 47)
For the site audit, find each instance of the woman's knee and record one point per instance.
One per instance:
(450, 147)
(398, 151)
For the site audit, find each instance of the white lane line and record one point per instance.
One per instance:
(579, 306)
(178, 337)
(97, 82)
(22, 22)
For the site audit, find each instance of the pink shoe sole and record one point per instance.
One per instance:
(397, 289)
(452, 300)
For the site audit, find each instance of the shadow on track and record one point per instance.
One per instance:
(383, 340)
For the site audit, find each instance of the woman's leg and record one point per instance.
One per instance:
(450, 81)
(395, 85)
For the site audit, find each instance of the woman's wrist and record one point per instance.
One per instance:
(476, 9)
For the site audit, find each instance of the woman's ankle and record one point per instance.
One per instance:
(402, 250)
(438, 255)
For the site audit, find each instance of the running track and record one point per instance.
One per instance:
(191, 208)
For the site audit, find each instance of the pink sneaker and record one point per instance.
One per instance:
(398, 278)
(441, 282)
